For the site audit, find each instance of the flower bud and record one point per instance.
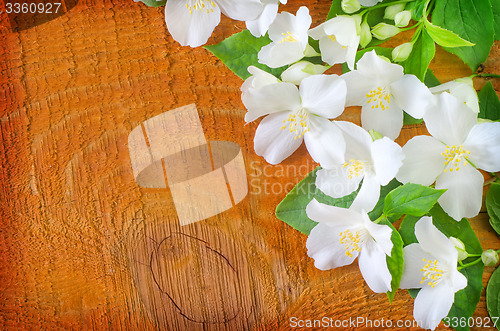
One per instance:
(300, 70)
(391, 11)
(402, 19)
(350, 6)
(365, 34)
(460, 247)
(401, 52)
(489, 258)
(383, 31)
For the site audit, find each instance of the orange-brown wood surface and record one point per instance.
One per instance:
(82, 246)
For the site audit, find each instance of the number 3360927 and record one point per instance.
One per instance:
(32, 8)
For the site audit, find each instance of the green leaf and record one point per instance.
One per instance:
(493, 295)
(411, 199)
(240, 51)
(417, 9)
(335, 9)
(489, 105)
(445, 37)
(431, 79)
(395, 262)
(154, 3)
(496, 18)
(473, 21)
(421, 56)
(493, 206)
(465, 300)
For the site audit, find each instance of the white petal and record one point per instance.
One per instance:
(333, 216)
(323, 95)
(358, 86)
(335, 181)
(270, 99)
(380, 233)
(462, 89)
(388, 122)
(302, 24)
(241, 10)
(484, 144)
(368, 194)
(260, 25)
(435, 242)
(342, 27)
(296, 25)
(271, 142)
(450, 120)
(325, 142)
(433, 304)
(190, 28)
(259, 78)
(412, 95)
(387, 158)
(358, 141)
(458, 280)
(323, 245)
(297, 72)
(464, 191)
(371, 65)
(423, 161)
(276, 55)
(414, 256)
(373, 266)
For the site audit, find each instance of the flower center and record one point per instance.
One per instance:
(200, 5)
(333, 39)
(355, 168)
(454, 155)
(352, 241)
(287, 37)
(297, 123)
(379, 98)
(432, 273)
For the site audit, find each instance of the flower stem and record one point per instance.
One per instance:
(485, 75)
(462, 266)
(380, 219)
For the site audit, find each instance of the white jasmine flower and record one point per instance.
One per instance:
(289, 38)
(375, 162)
(191, 22)
(297, 114)
(402, 19)
(338, 39)
(432, 266)
(350, 6)
(384, 91)
(300, 70)
(402, 52)
(462, 89)
(259, 26)
(344, 234)
(458, 145)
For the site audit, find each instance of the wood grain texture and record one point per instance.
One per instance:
(83, 247)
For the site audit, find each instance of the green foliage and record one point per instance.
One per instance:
(493, 206)
(410, 199)
(421, 56)
(395, 262)
(240, 51)
(473, 21)
(445, 38)
(496, 18)
(465, 300)
(493, 295)
(335, 9)
(417, 9)
(489, 105)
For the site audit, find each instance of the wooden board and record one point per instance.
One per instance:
(82, 246)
